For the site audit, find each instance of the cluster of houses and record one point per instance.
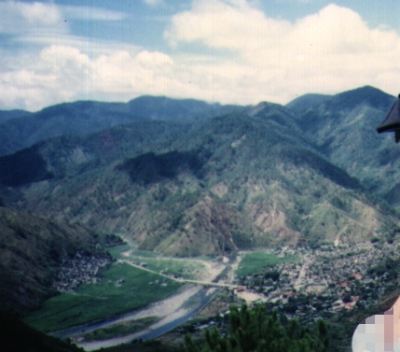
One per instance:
(79, 270)
(329, 279)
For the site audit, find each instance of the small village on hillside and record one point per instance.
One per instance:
(328, 280)
(81, 269)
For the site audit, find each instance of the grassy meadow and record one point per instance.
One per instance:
(187, 269)
(255, 262)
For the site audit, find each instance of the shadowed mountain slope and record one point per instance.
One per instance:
(31, 250)
(69, 155)
(23, 167)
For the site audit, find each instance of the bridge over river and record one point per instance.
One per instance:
(177, 279)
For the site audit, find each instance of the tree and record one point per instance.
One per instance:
(322, 337)
(254, 330)
(347, 298)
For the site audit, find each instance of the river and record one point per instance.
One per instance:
(176, 310)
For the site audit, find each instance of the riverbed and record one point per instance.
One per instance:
(191, 301)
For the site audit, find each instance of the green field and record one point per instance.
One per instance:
(140, 253)
(254, 263)
(122, 288)
(117, 250)
(187, 269)
(184, 268)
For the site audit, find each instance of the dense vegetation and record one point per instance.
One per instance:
(253, 330)
(21, 129)
(343, 127)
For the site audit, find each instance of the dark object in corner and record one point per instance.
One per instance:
(16, 336)
(391, 123)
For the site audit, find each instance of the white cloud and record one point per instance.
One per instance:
(241, 56)
(60, 73)
(329, 51)
(230, 24)
(63, 73)
(18, 17)
(92, 47)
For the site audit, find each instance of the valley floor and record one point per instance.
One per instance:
(307, 284)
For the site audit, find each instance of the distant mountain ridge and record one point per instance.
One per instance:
(21, 129)
(10, 114)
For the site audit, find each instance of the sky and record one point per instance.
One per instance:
(227, 51)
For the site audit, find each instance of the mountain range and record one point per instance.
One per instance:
(225, 178)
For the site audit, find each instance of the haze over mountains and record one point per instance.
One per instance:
(189, 178)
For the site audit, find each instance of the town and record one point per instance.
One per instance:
(328, 279)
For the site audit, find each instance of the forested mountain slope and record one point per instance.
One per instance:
(235, 181)
(344, 129)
